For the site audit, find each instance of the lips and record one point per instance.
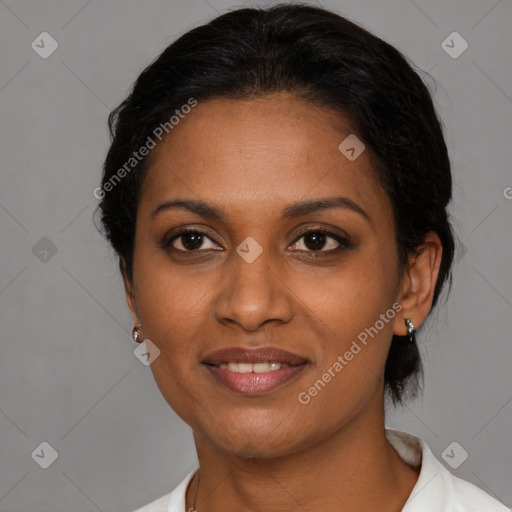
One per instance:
(253, 356)
(254, 371)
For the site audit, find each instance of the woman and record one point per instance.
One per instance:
(276, 192)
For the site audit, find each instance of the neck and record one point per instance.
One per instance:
(355, 466)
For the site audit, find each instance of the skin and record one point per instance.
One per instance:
(251, 159)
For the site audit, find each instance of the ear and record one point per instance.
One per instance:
(129, 292)
(418, 283)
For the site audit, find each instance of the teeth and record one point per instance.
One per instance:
(248, 367)
(262, 367)
(244, 367)
(233, 367)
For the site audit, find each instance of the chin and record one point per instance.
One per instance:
(262, 448)
(270, 440)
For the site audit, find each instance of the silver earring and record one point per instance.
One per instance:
(136, 336)
(410, 330)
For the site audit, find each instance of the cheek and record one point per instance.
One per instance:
(352, 351)
(173, 314)
(354, 310)
(171, 310)
(354, 296)
(169, 297)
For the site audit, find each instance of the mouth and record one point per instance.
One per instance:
(266, 366)
(254, 371)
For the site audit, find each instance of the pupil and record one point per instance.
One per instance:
(192, 240)
(314, 240)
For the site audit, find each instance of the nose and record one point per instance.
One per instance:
(253, 295)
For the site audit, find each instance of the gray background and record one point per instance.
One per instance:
(68, 375)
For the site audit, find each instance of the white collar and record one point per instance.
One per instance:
(436, 488)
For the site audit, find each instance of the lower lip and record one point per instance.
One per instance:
(255, 383)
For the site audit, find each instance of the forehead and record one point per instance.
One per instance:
(259, 152)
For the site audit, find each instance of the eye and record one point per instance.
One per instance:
(190, 240)
(319, 240)
(315, 240)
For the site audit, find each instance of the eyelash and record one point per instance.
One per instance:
(344, 242)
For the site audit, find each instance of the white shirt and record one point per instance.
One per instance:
(437, 490)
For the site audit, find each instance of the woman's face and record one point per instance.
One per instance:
(254, 277)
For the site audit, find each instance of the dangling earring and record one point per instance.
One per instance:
(410, 330)
(136, 335)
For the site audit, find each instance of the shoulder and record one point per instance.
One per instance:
(159, 505)
(469, 498)
(437, 488)
(171, 502)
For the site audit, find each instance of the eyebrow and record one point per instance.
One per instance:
(291, 211)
